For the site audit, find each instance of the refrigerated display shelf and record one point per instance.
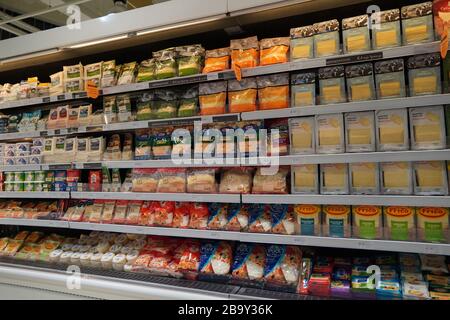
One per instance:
(42, 100)
(34, 223)
(35, 195)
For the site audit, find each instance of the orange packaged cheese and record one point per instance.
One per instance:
(242, 95)
(213, 98)
(274, 50)
(244, 52)
(273, 91)
(217, 60)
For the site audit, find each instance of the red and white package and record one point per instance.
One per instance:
(147, 213)
(120, 213)
(171, 180)
(199, 213)
(190, 259)
(134, 212)
(181, 215)
(163, 213)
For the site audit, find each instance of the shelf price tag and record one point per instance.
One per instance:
(46, 100)
(61, 97)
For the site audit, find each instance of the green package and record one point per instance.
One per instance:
(165, 63)
(188, 102)
(190, 60)
(144, 106)
(166, 104)
(146, 71)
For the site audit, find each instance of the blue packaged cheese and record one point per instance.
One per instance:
(249, 262)
(283, 265)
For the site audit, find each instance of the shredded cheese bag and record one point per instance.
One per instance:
(244, 52)
(217, 60)
(273, 91)
(212, 97)
(274, 50)
(242, 95)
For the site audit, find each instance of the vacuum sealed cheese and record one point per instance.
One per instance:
(386, 31)
(417, 23)
(93, 72)
(244, 52)
(326, 38)
(424, 74)
(274, 50)
(217, 60)
(57, 83)
(242, 95)
(128, 73)
(190, 59)
(213, 97)
(273, 91)
(427, 126)
(303, 89)
(432, 224)
(308, 217)
(364, 178)
(396, 178)
(392, 130)
(305, 179)
(216, 258)
(329, 133)
(360, 82)
(165, 63)
(390, 79)
(430, 178)
(356, 34)
(332, 85)
(301, 132)
(399, 223)
(360, 132)
(367, 222)
(302, 43)
(336, 221)
(334, 178)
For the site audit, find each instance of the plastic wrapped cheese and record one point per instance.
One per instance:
(392, 130)
(396, 178)
(364, 178)
(336, 221)
(387, 30)
(367, 222)
(305, 179)
(417, 23)
(309, 219)
(302, 135)
(326, 38)
(427, 128)
(242, 95)
(430, 178)
(302, 43)
(399, 223)
(329, 129)
(432, 224)
(356, 34)
(360, 132)
(244, 52)
(334, 178)
(274, 50)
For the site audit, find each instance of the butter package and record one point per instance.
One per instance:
(367, 222)
(326, 38)
(386, 29)
(417, 23)
(356, 34)
(329, 133)
(303, 89)
(430, 178)
(390, 79)
(334, 178)
(305, 179)
(336, 221)
(392, 130)
(427, 125)
(396, 178)
(302, 43)
(424, 74)
(332, 85)
(301, 133)
(364, 178)
(360, 132)
(399, 223)
(432, 224)
(360, 82)
(308, 217)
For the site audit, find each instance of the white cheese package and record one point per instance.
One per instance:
(73, 72)
(334, 178)
(302, 133)
(70, 150)
(49, 149)
(93, 72)
(364, 178)
(392, 130)
(96, 149)
(84, 115)
(83, 147)
(396, 178)
(305, 179)
(73, 85)
(427, 125)
(57, 83)
(360, 132)
(430, 178)
(329, 133)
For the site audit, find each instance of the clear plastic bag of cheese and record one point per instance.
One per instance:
(248, 264)
(283, 265)
(216, 258)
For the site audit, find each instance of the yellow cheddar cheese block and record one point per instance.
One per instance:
(361, 91)
(429, 174)
(302, 51)
(334, 179)
(356, 43)
(427, 132)
(304, 98)
(423, 85)
(416, 33)
(392, 135)
(332, 93)
(363, 179)
(329, 137)
(302, 141)
(305, 179)
(359, 136)
(386, 38)
(396, 175)
(390, 88)
(326, 47)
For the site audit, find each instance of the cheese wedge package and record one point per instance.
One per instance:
(364, 178)
(336, 221)
(427, 125)
(392, 130)
(430, 178)
(326, 38)
(308, 217)
(399, 223)
(302, 43)
(334, 178)
(301, 133)
(273, 91)
(274, 50)
(396, 178)
(356, 34)
(332, 85)
(244, 52)
(329, 133)
(424, 74)
(390, 79)
(432, 224)
(242, 95)
(367, 222)
(359, 132)
(360, 82)
(386, 29)
(417, 23)
(303, 89)
(305, 179)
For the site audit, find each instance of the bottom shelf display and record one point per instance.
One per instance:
(279, 268)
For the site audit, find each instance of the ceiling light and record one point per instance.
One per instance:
(29, 56)
(91, 43)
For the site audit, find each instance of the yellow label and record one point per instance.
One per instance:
(427, 133)
(363, 177)
(332, 93)
(389, 89)
(424, 85)
(356, 43)
(326, 47)
(416, 33)
(361, 91)
(302, 51)
(386, 38)
(429, 175)
(304, 98)
(359, 136)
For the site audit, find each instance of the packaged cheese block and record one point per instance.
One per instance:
(274, 50)
(424, 74)
(399, 223)
(360, 82)
(386, 31)
(305, 179)
(332, 85)
(303, 89)
(396, 178)
(326, 38)
(302, 43)
(367, 222)
(360, 132)
(336, 221)
(364, 178)
(84, 115)
(302, 135)
(334, 178)
(430, 178)
(308, 217)
(73, 72)
(392, 130)
(432, 224)
(356, 34)
(427, 128)
(57, 83)
(73, 85)
(417, 23)
(390, 79)
(329, 133)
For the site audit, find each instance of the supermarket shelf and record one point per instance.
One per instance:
(372, 105)
(189, 197)
(34, 222)
(375, 200)
(35, 195)
(43, 100)
(21, 167)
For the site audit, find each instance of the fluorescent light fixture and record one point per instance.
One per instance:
(91, 43)
(255, 9)
(181, 25)
(29, 56)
